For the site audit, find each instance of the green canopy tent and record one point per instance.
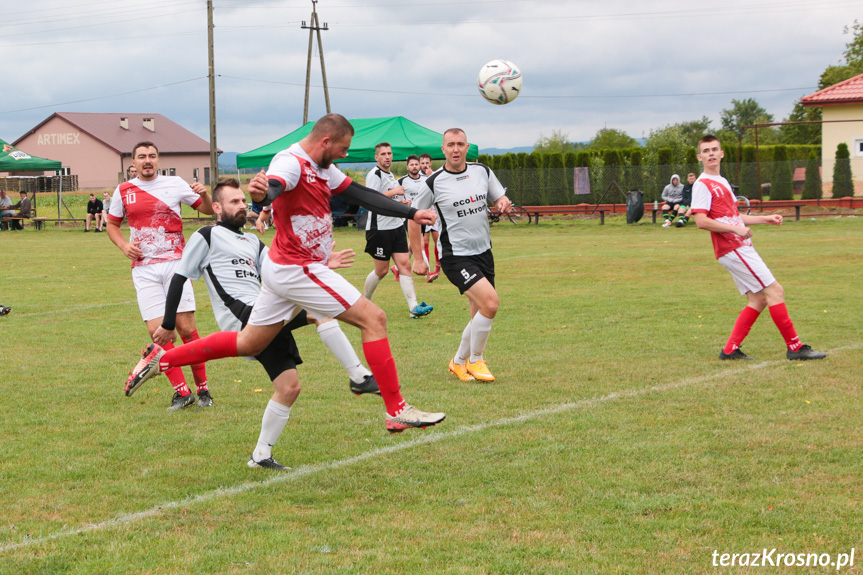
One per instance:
(406, 138)
(14, 160)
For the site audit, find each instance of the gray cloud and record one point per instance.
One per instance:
(623, 64)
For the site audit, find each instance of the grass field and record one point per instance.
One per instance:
(613, 441)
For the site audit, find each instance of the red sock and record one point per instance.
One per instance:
(214, 346)
(780, 316)
(199, 370)
(176, 377)
(741, 328)
(427, 254)
(383, 366)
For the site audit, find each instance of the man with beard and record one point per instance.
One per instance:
(230, 262)
(300, 183)
(153, 204)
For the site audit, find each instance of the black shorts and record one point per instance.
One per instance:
(673, 205)
(464, 271)
(282, 353)
(382, 244)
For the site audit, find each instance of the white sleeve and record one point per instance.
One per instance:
(285, 167)
(194, 257)
(423, 199)
(701, 199)
(335, 177)
(495, 188)
(374, 181)
(117, 209)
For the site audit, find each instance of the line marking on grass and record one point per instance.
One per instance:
(75, 308)
(431, 437)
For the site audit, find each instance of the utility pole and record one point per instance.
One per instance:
(315, 26)
(214, 156)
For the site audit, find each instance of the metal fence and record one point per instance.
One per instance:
(557, 186)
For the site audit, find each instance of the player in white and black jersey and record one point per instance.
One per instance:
(460, 192)
(385, 236)
(230, 261)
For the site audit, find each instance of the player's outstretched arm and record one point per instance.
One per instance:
(377, 202)
(774, 219)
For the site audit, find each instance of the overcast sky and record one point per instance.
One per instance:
(624, 64)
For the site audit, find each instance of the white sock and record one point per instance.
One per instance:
(372, 281)
(464, 347)
(275, 418)
(479, 332)
(407, 283)
(336, 340)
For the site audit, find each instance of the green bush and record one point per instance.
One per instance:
(812, 186)
(781, 184)
(843, 184)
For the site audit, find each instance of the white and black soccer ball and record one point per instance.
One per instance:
(499, 82)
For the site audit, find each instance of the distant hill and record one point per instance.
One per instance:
(228, 161)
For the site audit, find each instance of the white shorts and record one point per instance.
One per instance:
(285, 290)
(152, 282)
(749, 271)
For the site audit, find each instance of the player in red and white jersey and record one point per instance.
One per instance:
(152, 204)
(714, 206)
(295, 276)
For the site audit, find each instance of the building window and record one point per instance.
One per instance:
(206, 176)
(195, 175)
(858, 148)
(62, 172)
(172, 171)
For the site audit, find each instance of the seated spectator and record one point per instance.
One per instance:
(685, 208)
(672, 195)
(94, 212)
(5, 203)
(24, 211)
(106, 205)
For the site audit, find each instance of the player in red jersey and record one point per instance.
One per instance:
(152, 204)
(714, 206)
(299, 184)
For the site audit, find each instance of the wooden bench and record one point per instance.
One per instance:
(578, 209)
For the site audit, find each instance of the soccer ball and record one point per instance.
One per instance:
(499, 82)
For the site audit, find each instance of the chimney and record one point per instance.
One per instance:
(150, 124)
(124, 123)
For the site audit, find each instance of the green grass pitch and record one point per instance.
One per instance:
(613, 441)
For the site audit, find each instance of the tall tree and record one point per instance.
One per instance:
(611, 139)
(744, 113)
(802, 134)
(853, 59)
(843, 182)
(557, 143)
(812, 185)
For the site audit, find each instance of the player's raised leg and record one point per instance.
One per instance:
(372, 322)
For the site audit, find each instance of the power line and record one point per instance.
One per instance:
(524, 96)
(57, 104)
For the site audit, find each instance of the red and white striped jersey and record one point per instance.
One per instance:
(153, 209)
